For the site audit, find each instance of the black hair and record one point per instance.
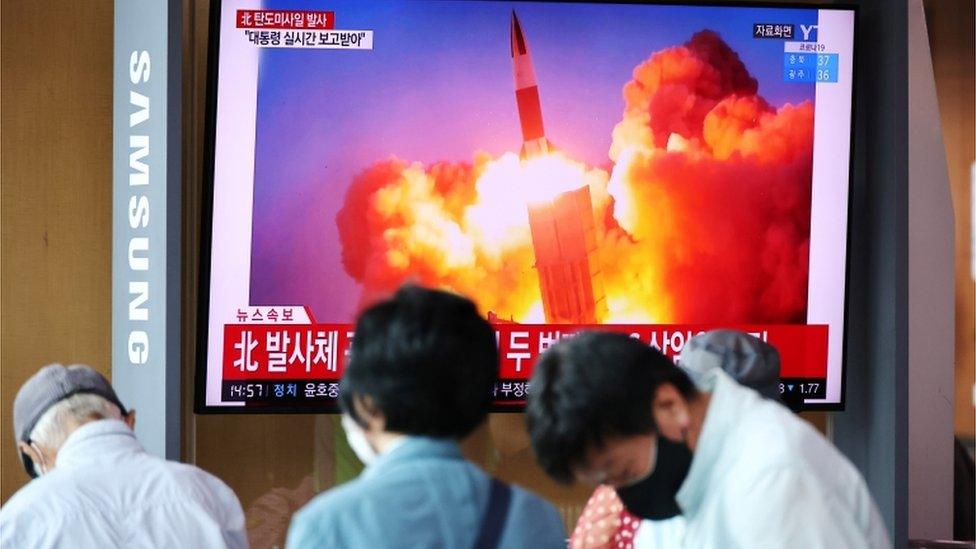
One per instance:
(426, 360)
(592, 386)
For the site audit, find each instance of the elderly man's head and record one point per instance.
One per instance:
(55, 402)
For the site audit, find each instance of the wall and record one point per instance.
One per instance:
(56, 197)
(873, 430)
(952, 24)
(931, 298)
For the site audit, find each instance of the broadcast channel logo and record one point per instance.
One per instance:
(785, 31)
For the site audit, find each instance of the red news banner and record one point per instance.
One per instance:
(285, 19)
(318, 351)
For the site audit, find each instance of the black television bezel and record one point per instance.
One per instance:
(206, 222)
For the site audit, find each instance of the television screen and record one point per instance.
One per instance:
(659, 170)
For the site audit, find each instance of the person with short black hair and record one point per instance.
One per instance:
(745, 472)
(593, 387)
(426, 360)
(420, 377)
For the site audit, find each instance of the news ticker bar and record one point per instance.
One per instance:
(507, 393)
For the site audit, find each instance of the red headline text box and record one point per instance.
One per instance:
(285, 19)
(802, 348)
(277, 351)
(318, 351)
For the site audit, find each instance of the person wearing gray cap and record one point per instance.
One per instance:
(95, 486)
(748, 360)
(742, 469)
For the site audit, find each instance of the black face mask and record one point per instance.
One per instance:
(653, 498)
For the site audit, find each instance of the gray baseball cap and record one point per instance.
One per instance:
(745, 358)
(50, 385)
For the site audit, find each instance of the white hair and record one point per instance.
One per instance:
(66, 415)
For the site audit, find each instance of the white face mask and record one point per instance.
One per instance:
(357, 440)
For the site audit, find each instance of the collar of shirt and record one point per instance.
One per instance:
(414, 448)
(723, 409)
(95, 442)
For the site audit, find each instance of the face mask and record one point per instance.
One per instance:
(653, 497)
(357, 440)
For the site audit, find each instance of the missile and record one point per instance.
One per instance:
(534, 142)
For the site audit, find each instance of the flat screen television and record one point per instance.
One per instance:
(656, 169)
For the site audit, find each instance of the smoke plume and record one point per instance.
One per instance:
(705, 216)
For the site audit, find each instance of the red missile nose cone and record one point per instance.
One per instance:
(518, 41)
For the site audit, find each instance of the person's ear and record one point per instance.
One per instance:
(30, 451)
(130, 419)
(671, 412)
(34, 454)
(369, 412)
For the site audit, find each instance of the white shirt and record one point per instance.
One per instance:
(762, 477)
(660, 534)
(106, 491)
